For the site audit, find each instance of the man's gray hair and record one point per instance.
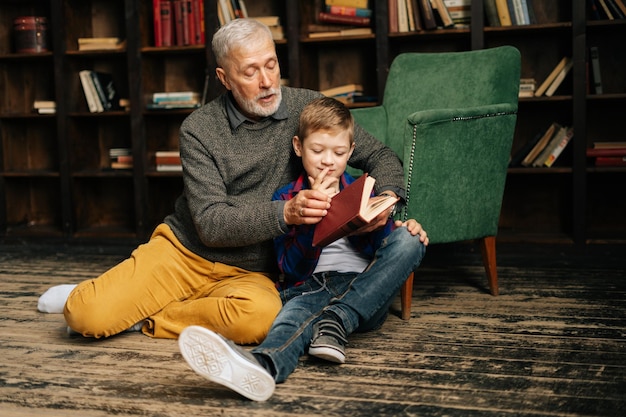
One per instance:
(235, 33)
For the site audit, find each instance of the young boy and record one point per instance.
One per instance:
(327, 293)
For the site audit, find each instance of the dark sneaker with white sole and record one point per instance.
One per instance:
(222, 361)
(329, 341)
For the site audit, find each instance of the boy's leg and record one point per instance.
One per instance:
(372, 290)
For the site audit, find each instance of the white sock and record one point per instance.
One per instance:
(53, 300)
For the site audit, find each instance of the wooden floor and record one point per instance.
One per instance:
(553, 343)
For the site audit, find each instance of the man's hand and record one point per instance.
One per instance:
(307, 207)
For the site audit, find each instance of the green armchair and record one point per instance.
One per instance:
(451, 119)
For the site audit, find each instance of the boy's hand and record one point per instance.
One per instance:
(414, 228)
(325, 183)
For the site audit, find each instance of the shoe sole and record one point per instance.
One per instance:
(327, 353)
(212, 358)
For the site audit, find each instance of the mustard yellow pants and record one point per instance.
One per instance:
(171, 288)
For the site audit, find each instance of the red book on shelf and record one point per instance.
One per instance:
(156, 18)
(167, 23)
(343, 20)
(611, 161)
(198, 13)
(594, 152)
(351, 209)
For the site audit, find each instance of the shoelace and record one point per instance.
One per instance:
(333, 329)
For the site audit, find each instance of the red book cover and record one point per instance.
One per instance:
(179, 38)
(198, 13)
(167, 23)
(593, 152)
(349, 210)
(190, 19)
(156, 16)
(343, 20)
(611, 161)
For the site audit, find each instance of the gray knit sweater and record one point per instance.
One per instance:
(225, 213)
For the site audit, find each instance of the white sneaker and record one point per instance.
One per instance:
(222, 361)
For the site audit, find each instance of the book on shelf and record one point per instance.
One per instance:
(552, 76)
(267, 20)
(89, 89)
(517, 157)
(324, 17)
(616, 151)
(173, 100)
(120, 158)
(392, 16)
(442, 11)
(559, 147)
(342, 89)
(428, 15)
(610, 161)
(540, 144)
(167, 161)
(558, 80)
(460, 12)
(106, 90)
(45, 106)
(527, 87)
(100, 43)
(351, 209)
(504, 15)
(417, 14)
(558, 135)
(403, 18)
(361, 4)
(491, 13)
(594, 57)
(342, 32)
(348, 11)
(608, 144)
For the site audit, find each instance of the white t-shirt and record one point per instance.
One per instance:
(341, 256)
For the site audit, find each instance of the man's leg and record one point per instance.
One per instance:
(157, 274)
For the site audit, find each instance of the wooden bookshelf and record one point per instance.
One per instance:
(55, 178)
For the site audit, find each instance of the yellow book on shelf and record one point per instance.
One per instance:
(551, 77)
(503, 13)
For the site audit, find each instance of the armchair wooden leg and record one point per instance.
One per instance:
(406, 294)
(488, 249)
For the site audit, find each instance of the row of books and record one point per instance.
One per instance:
(45, 106)
(608, 153)
(606, 9)
(417, 15)
(173, 100)
(100, 91)
(545, 148)
(121, 158)
(556, 77)
(228, 10)
(509, 12)
(342, 18)
(178, 22)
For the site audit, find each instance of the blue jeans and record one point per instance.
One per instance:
(360, 300)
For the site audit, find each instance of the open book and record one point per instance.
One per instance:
(351, 209)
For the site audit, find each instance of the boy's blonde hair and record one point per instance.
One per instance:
(325, 114)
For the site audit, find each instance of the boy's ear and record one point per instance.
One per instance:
(297, 145)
